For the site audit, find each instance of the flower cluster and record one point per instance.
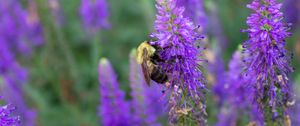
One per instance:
(56, 11)
(19, 31)
(20, 27)
(6, 116)
(236, 98)
(179, 39)
(267, 61)
(216, 75)
(194, 9)
(94, 14)
(146, 100)
(291, 10)
(145, 107)
(114, 108)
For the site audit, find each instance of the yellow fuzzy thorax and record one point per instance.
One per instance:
(150, 50)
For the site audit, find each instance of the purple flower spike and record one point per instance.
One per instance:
(94, 14)
(6, 116)
(20, 27)
(217, 72)
(114, 110)
(57, 12)
(236, 103)
(267, 61)
(35, 30)
(147, 104)
(292, 11)
(179, 43)
(19, 31)
(194, 9)
(14, 76)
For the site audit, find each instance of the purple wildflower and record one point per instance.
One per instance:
(19, 27)
(13, 24)
(236, 102)
(217, 74)
(216, 27)
(194, 9)
(6, 116)
(94, 14)
(294, 111)
(114, 110)
(296, 120)
(14, 77)
(56, 11)
(19, 31)
(147, 105)
(267, 61)
(34, 28)
(292, 12)
(178, 40)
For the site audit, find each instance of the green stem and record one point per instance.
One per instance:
(96, 50)
(51, 27)
(65, 48)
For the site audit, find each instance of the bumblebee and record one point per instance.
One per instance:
(148, 58)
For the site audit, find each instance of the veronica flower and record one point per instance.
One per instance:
(18, 33)
(34, 28)
(94, 14)
(217, 74)
(20, 27)
(56, 11)
(13, 24)
(291, 10)
(147, 104)
(297, 117)
(6, 116)
(180, 50)
(267, 61)
(216, 27)
(236, 104)
(114, 110)
(14, 77)
(194, 9)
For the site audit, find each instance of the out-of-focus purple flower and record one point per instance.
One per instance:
(6, 116)
(216, 28)
(20, 27)
(235, 82)
(94, 14)
(178, 40)
(217, 75)
(19, 31)
(34, 28)
(267, 61)
(57, 11)
(13, 24)
(236, 103)
(292, 12)
(194, 9)
(294, 110)
(296, 120)
(14, 77)
(114, 110)
(147, 105)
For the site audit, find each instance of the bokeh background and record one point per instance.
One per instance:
(63, 83)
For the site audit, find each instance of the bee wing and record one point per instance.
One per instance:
(145, 68)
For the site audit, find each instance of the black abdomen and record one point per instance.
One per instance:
(158, 76)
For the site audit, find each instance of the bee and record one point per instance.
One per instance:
(148, 58)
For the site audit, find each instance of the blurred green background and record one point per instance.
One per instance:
(63, 84)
